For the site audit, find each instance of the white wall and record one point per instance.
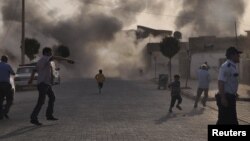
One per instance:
(162, 64)
(213, 62)
(244, 70)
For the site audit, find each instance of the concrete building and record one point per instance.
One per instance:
(196, 51)
(212, 49)
(156, 63)
(143, 32)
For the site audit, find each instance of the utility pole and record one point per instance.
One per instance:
(23, 34)
(236, 36)
(236, 44)
(188, 68)
(155, 66)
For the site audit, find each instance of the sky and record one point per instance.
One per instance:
(93, 29)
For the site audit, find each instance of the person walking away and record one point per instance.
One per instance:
(100, 78)
(175, 93)
(203, 86)
(5, 87)
(44, 84)
(228, 86)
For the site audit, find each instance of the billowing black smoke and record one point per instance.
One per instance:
(92, 27)
(210, 17)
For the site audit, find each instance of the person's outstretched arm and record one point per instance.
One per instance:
(59, 58)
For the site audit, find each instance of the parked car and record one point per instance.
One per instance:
(23, 74)
(22, 77)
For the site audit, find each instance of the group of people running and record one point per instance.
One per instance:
(228, 81)
(226, 97)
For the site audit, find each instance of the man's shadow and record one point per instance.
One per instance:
(22, 130)
(165, 118)
(191, 113)
(194, 112)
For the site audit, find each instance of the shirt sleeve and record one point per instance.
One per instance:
(222, 74)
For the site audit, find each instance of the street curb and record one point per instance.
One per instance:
(188, 94)
(240, 118)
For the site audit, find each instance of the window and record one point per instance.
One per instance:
(25, 70)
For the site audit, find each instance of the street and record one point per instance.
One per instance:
(127, 110)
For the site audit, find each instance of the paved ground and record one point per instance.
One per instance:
(243, 90)
(126, 111)
(243, 102)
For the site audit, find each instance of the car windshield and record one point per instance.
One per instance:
(25, 70)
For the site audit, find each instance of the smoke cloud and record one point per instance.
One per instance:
(210, 17)
(94, 33)
(126, 10)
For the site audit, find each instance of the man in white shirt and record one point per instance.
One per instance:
(228, 86)
(44, 82)
(203, 86)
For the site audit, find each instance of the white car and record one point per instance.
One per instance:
(22, 77)
(23, 74)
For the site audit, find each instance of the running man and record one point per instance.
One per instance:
(100, 78)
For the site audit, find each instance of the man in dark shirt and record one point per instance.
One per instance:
(100, 78)
(5, 86)
(175, 93)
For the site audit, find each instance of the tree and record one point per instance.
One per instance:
(32, 47)
(62, 51)
(169, 47)
(177, 35)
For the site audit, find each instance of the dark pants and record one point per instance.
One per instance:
(100, 85)
(227, 115)
(9, 101)
(204, 99)
(5, 92)
(174, 98)
(43, 90)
